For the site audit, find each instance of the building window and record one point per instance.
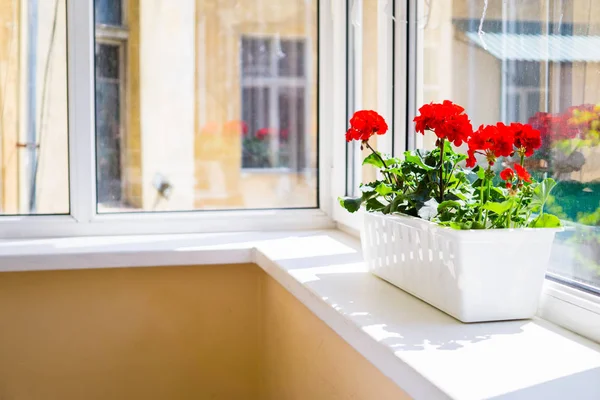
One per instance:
(109, 12)
(274, 99)
(523, 92)
(110, 49)
(109, 88)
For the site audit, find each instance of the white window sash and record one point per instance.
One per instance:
(83, 218)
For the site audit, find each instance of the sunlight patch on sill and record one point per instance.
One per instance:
(306, 275)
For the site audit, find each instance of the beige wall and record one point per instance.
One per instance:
(152, 333)
(306, 360)
(208, 332)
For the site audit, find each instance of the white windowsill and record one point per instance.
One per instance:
(427, 353)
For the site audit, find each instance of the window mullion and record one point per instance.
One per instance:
(414, 58)
(402, 96)
(385, 78)
(82, 182)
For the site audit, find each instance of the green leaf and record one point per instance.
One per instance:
(398, 200)
(444, 205)
(480, 172)
(415, 158)
(351, 204)
(456, 225)
(384, 189)
(373, 159)
(374, 205)
(545, 221)
(541, 193)
(465, 225)
(498, 208)
(368, 187)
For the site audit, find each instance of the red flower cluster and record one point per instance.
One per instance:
(527, 139)
(447, 120)
(500, 140)
(364, 124)
(491, 140)
(522, 173)
(508, 174)
(263, 133)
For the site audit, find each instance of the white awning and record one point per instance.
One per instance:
(512, 46)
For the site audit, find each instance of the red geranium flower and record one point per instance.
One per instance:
(504, 141)
(493, 141)
(263, 133)
(507, 175)
(447, 120)
(364, 124)
(522, 173)
(527, 139)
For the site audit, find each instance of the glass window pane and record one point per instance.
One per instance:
(292, 151)
(207, 105)
(363, 79)
(538, 62)
(108, 127)
(290, 57)
(107, 61)
(256, 148)
(257, 56)
(108, 12)
(34, 149)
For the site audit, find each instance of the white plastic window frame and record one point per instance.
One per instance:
(391, 97)
(560, 303)
(83, 219)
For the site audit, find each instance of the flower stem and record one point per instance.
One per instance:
(441, 146)
(489, 186)
(519, 204)
(387, 175)
(480, 201)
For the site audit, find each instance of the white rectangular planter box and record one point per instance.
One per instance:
(475, 275)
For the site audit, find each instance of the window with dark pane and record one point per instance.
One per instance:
(107, 61)
(256, 57)
(273, 103)
(108, 123)
(256, 152)
(523, 93)
(290, 58)
(292, 127)
(109, 12)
